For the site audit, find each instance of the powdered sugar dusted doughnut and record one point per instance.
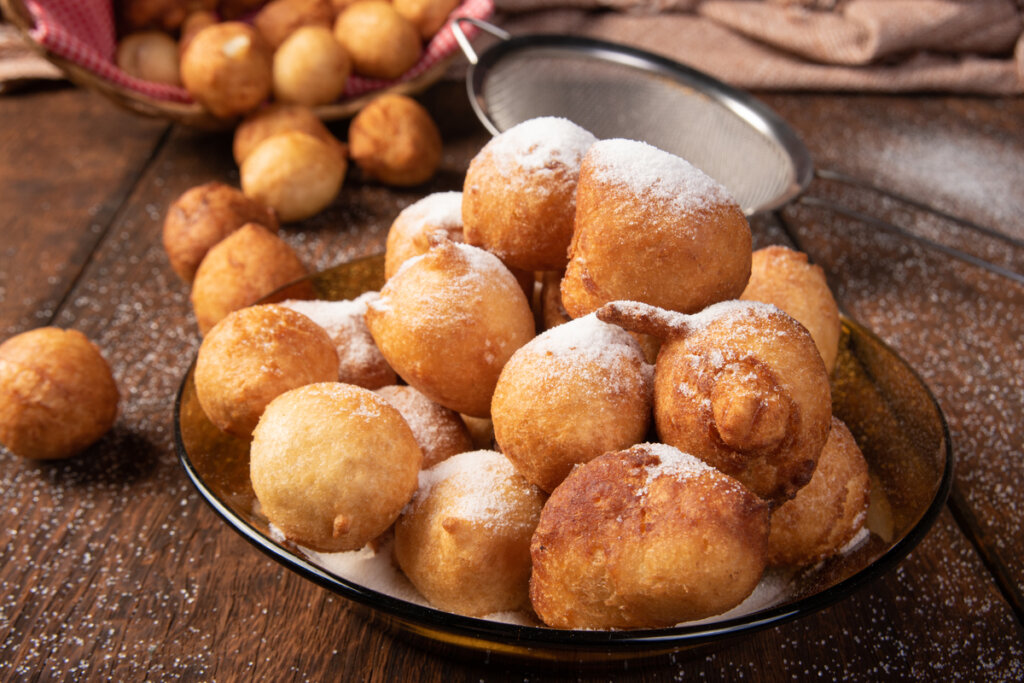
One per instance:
(574, 392)
(448, 321)
(360, 362)
(651, 227)
(645, 538)
(441, 211)
(464, 540)
(520, 192)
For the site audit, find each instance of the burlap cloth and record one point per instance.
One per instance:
(952, 46)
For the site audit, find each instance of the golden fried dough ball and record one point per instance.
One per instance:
(279, 118)
(571, 394)
(281, 18)
(441, 211)
(202, 217)
(394, 140)
(252, 356)
(428, 16)
(646, 538)
(464, 540)
(193, 24)
(149, 55)
(741, 386)
(381, 42)
(440, 432)
(785, 278)
(829, 512)
(332, 465)
(652, 228)
(360, 362)
(519, 196)
(57, 394)
(227, 68)
(241, 269)
(310, 67)
(447, 323)
(294, 173)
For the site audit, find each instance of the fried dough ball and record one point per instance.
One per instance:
(227, 68)
(829, 512)
(360, 362)
(310, 67)
(279, 19)
(394, 140)
(440, 432)
(241, 269)
(569, 395)
(57, 394)
(333, 465)
(254, 355)
(785, 278)
(441, 211)
(520, 192)
(449, 321)
(428, 16)
(193, 24)
(279, 118)
(296, 174)
(149, 55)
(646, 538)
(381, 42)
(464, 540)
(741, 386)
(202, 217)
(652, 228)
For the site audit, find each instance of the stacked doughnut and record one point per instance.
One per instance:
(657, 428)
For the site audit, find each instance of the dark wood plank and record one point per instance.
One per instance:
(960, 327)
(67, 161)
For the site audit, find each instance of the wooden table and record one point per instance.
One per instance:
(112, 567)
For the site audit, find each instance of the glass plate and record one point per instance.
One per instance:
(887, 407)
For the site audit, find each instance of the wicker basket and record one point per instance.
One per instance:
(191, 113)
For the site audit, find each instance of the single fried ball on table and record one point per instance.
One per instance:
(439, 431)
(280, 19)
(275, 118)
(332, 465)
(449, 321)
(310, 67)
(646, 538)
(464, 540)
(520, 192)
(653, 228)
(785, 278)
(150, 56)
(360, 362)
(244, 267)
(202, 217)
(57, 394)
(409, 233)
(381, 42)
(296, 174)
(254, 355)
(829, 512)
(394, 140)
(227, 68)
(741, 386)
(569, 395)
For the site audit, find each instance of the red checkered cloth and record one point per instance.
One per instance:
(82, 31)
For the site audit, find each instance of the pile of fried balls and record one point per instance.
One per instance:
(579, 394)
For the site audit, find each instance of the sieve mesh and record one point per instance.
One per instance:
(625, 100)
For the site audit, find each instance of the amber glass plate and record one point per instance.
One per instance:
(889, 410)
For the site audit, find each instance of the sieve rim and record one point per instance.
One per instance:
(747, 108)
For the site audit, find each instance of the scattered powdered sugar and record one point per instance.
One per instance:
(672, 462)
(647, 171)
(477, 481)
(587, 336)
(440, 209)
(732, 312)
(538, 144)
(373, 569)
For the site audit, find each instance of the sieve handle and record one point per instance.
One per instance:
(463, 40)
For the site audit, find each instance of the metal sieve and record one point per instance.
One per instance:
(725, 132)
